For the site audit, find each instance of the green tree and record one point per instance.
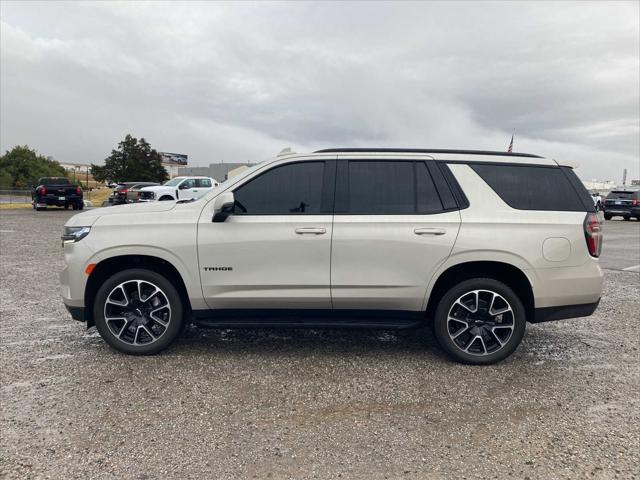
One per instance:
(21, 167)
(133, 160)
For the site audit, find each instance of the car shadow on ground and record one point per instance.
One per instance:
(304, 340)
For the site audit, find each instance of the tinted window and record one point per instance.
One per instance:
(532, 187)
(287, 190)
(203, 183)
(581, 190)
(54, 181)
(427, 196)
(623, 195)
(391, 187)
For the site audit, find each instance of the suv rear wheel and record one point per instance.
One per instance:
(138, 312)
(480, 321)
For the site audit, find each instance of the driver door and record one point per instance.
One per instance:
(274, 251)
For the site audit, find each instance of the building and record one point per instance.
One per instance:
(78, 168)
(600, 186)
(219, 171)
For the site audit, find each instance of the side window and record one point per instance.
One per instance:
(391, 187)
(203, 183)
(527, 187)
(428, 200)
(291, 189)
(188, 183)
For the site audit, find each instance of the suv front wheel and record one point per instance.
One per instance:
(480, 321)
(138, 312)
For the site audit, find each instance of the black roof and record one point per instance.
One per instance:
(426, 150)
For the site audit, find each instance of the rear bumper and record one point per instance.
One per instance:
(568, 286)
(549, 314)
(618, 210)
(55, 201)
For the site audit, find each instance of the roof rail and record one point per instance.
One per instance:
(426, 150)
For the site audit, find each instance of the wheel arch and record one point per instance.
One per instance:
(109, 266)
(507, 273)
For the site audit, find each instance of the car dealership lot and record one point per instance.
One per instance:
(305, 403)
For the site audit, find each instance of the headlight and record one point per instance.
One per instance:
(74, 234)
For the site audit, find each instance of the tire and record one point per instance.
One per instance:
(465, 336)
(626, 218)
(141, 331)
(165, 198)
(81, 206)
(40, 209)
(607, 216)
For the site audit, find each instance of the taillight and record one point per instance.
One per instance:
(78, 191)
(635, 202)
(43, 190)
(593, 234)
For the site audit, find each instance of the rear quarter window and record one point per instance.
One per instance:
(530, 187)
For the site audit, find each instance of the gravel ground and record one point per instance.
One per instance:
(307, 404)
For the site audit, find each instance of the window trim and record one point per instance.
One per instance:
(327, 189)
(341, 206)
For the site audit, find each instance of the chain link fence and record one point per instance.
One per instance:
(14, 195)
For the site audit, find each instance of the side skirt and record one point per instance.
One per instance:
(305, 318)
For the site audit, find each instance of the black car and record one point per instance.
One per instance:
(56, 192)
(622, 203)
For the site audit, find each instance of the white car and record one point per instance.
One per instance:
(178, 188)
(368, 238)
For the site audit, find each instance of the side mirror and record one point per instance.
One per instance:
(223, 207)
(183, 186)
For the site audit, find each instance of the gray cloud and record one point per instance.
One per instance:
(240, 82)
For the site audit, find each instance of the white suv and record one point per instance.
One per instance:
(347, 238)
(178, 188)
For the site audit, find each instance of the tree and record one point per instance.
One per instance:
(133, 160)
(21, 167)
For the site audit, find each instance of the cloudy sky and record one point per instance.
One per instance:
(223, 82)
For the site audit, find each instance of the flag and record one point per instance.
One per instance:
(511, 145)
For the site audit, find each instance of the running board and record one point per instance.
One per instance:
(388, 320)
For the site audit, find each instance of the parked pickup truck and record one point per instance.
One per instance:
(56, 192)
(178, 188)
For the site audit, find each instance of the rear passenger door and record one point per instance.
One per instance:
(203, 185)
(395, 222)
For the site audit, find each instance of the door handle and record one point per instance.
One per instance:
(430, 231)
(311, 231)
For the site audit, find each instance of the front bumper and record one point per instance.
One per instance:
(77, 313)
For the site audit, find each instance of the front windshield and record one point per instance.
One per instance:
(173, 182)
